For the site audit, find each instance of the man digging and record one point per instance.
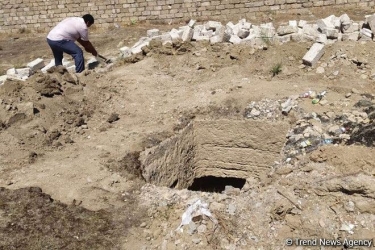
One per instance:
(63, 36)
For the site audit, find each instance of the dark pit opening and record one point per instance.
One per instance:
(216, 184)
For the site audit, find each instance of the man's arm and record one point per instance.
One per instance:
(88, 46)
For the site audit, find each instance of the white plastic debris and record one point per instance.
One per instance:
(347, 227)
(196, 209)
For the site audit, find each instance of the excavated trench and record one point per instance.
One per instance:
(208, 155)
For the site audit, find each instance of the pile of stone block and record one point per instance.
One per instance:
(23, 73)
(32, 67)
(322, 32)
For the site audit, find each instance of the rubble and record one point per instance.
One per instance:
(314, 54)
(324, 31)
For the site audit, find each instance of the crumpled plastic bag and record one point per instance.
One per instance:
(196, 209)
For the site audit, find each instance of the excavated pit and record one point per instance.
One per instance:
(208, 155)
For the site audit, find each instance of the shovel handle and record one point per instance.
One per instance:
(102, 57)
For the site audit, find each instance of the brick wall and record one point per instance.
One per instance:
(40, 15)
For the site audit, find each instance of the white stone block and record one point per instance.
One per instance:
(208, 33)
(67, 63)
(246, 26)
(339, 37)
(311, 30)
(297, 37)
(350, 36)
(142, 40)
(11, 71)
(314, 54)
(152, 32)
(20, 74)
(336, 22)
(284, 39)
(302, 23)
(354, 27)
(235, 29)
(250, 39)
(175, 35)
(48, 66)
(344, 18)
(371, 22)
(366, 32)
(235, 39)
(202, 38)
(216, 39)
(285, 30)
(92, 63)
(136, 50)
(191, 23)
(322, 38)
(3, 79)
(331, 33)
(187, 35)
(196, 34)
(125, 52)
(267, 30)
(220, 31)
(35, 65)
(166, 37)
(212, 25)
(293, 23)
(325, 23)
(267, 25)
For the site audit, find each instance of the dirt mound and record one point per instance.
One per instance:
(31, 219)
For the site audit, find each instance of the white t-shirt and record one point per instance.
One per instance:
(71, 29)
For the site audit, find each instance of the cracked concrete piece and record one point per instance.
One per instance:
(314, 54)
(220, 148)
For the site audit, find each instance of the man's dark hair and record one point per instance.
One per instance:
(88, 18)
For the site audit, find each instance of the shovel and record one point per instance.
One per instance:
(106, 60)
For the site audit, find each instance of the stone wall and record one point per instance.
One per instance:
(40, 15)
